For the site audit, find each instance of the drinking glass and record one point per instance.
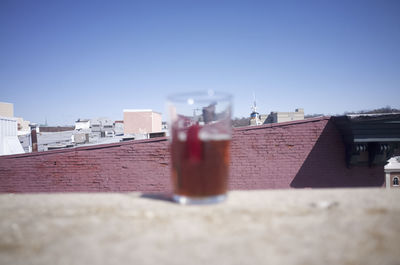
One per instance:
(200, 130)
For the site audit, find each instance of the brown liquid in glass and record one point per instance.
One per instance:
(207, 176)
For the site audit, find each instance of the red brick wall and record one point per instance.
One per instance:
(307, 153)
(301, 154)
(128, 166)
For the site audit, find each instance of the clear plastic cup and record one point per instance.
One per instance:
(201, 130)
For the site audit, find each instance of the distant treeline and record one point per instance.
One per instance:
(56, 128)
(245, 121)
(240, 122)
(386, 109)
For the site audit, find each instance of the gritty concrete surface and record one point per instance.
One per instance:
(342, 226)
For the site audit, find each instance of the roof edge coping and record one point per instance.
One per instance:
(280, 124)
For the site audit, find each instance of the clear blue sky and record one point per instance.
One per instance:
(66, 60)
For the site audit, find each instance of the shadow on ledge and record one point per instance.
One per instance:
(157, 196)
(325, 166)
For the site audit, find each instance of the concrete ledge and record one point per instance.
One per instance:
(332, 226)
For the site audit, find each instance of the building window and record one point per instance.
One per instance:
(395, 181)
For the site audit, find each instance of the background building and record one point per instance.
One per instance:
(9, 143)
(23, 126)
(82, 124)
(119, 127)
(141, 121)
(276, 117)
(392, 173)
(9, 126)
(6, 109)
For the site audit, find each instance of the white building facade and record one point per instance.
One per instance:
(392, 173)
(9, 143)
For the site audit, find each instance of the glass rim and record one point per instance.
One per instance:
(200, 96)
